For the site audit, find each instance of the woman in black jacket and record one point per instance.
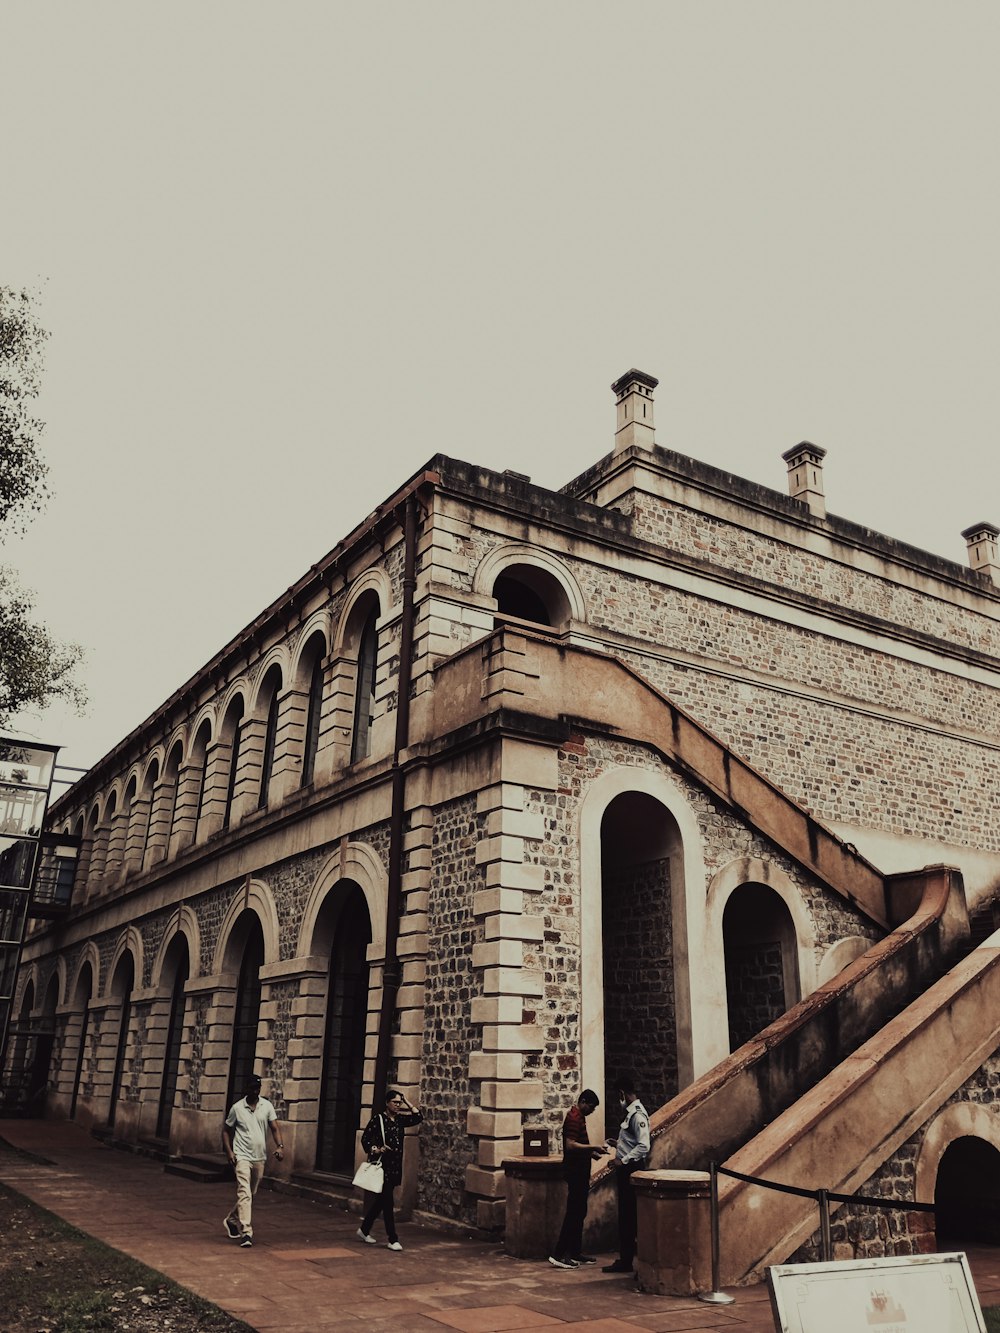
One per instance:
(383, 1142)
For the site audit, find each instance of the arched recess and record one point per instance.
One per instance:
(88, 958)
(229, 734)
(342, 935)
(698, 1019)
(266, 710)
(532, 584)
(20, 1044)
(85, 985)
(246, 957)
(958, 1170)
(183, 922)
(316, 627)
(361, 864)
(130, 941)
(796, 931)
(175, 969)
(309, 679)
(256, 898)
(125, 973)
(373, 582)
(839, 956)
(38, 1079)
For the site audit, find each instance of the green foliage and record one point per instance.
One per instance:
(991, 1314)
(22, 470)
(35, 668)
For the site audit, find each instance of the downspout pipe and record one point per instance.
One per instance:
(392, 971)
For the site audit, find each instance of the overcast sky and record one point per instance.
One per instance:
(291, 250)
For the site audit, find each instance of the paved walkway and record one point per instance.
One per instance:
(307, 1273)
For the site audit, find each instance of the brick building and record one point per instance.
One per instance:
(516, 787)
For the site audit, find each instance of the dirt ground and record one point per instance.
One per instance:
(55, 1279)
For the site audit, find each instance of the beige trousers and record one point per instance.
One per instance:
(248, 1177)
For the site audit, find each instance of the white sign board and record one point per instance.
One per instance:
(930, 1293)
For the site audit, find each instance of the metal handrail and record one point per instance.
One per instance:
(823, 1198)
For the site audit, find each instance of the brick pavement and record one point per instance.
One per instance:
(307, 1273)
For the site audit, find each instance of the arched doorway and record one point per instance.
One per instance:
(639, 841)
(762, 979)
(345, 922)
(82, 997)
(247, 1014)
(967, 1194)
(177, 961)
(38, 1078)
(121, 987)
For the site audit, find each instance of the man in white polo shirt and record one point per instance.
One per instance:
(244, 1137)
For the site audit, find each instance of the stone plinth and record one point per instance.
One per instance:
(674, 1255)
(536, 1202)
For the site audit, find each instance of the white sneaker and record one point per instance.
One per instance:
(394, 1245)
(368, 1240)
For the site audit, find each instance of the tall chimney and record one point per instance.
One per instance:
(805, 476)
(984, 555)
(634, 396)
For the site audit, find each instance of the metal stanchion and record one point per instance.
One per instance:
(826, 1248)
(715, 1296)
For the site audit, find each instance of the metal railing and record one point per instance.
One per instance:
(823, 1199)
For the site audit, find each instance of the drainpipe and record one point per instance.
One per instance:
(392, 972)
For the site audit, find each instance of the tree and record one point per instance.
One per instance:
(35, 668)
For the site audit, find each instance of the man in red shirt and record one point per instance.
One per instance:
(578, 1152)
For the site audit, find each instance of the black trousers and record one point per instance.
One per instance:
(570, 1242)
(627, 1221)
(382, 1203)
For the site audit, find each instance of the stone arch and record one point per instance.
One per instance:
(275, 657)
(353, 861)
(29, 977)
(318, 623)
(960, 1120)
(179, 736)
(512, 554)
(59, 972)
(207, 713)
(89, 955)
(184, 922)
(130, 941)
(156, 756)
(747, 870)
(256, 897)
(374, 580)
(698, 1019)
(839, 956)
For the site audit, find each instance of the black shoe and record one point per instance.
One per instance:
(562, 1263)
(232, 1228)
(246, 1242)
(584, 1258)
(617, 1267)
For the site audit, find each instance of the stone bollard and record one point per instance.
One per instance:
(674, 1255)
(536, 1201)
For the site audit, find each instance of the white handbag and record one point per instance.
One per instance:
(370, 1176)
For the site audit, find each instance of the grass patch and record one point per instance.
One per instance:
(992, 1316)
(56, 1278)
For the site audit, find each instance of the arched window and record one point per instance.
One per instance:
(177, 956)
(313, 714)
(148, 790)
(172, 774)
(526, 592)
(364, 699)
(272, 683)
(199, 755)
(231, 732)
(124, 980)
(247, 1014)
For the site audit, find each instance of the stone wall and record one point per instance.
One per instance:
(447, 1091)
(639, 1009)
